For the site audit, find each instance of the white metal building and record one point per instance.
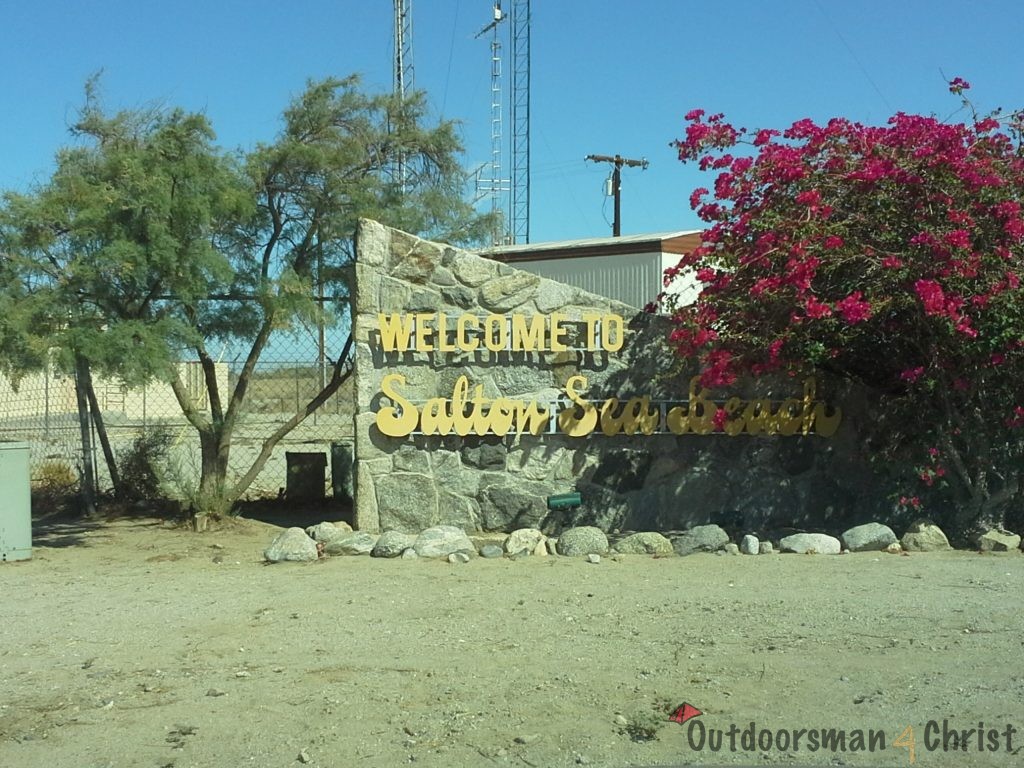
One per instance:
(628, 268)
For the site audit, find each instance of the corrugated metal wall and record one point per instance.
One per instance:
(634, 279)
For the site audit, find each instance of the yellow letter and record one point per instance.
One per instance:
(607, 324)
(702, 412)
(436, 417)
(396, 421)
(464, 343)
(528, 339)
(481, 417)
(499, 417)
(529, 416)
(734, 425)
(557, 332)
(810, 390)
(788, 418)
(395, 331)
(826, 424)
(463, 424)
(758, 416)
(423, 330)
(610, 423)
(591, 320)
(568, 421)
(443, 344)
(491, 323)
(677, 420)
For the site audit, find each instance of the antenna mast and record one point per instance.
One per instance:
(495, 185)
(403, 66)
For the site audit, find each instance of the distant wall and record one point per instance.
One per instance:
(501, 482)
(51, 393)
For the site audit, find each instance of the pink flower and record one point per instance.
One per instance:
(810, 198)
(1017, 420)
(892, 262)
(695, 114)
(958, 238)
(765, 284)
(706, 274)
(718, 372)
(719, 420)
(854, 309)
(958, 85)
(912, 374)
(932, 296)
(833, 241)
(817, 309)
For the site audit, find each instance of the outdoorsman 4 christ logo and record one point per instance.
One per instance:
(944, 735)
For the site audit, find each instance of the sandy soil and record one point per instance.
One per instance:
(132, 644)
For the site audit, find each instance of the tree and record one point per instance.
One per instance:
(888, 256)
(149, 243)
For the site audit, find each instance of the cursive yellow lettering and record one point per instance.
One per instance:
(583, 423)
(399, 419)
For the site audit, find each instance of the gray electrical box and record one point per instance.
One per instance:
(15, 502)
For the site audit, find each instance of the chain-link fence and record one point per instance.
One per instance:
(41, 409)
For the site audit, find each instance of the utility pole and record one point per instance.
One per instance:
(617, 162)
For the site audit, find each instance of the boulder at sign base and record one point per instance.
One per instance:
(291, 545)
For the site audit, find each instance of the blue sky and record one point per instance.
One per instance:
(608, 77)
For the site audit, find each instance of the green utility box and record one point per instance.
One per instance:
(15, 502)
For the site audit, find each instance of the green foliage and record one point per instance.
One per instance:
(54, 477)
(890, 257)
(149, 241)
(143, 467)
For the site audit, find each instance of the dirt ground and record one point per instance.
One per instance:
(130, 643)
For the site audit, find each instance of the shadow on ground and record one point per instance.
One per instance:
(289, 514)
(58, 520)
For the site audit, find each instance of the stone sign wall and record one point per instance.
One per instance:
(661, 481)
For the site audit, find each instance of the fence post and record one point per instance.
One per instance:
(46, 401)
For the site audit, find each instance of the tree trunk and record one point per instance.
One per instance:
(87, 480)
(338, 377)
(101, 432)
(211, 501)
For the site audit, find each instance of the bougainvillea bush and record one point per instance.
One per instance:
(889, 256)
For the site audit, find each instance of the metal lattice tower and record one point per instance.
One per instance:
(403, 65)
(496, 186)
(520, 218)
